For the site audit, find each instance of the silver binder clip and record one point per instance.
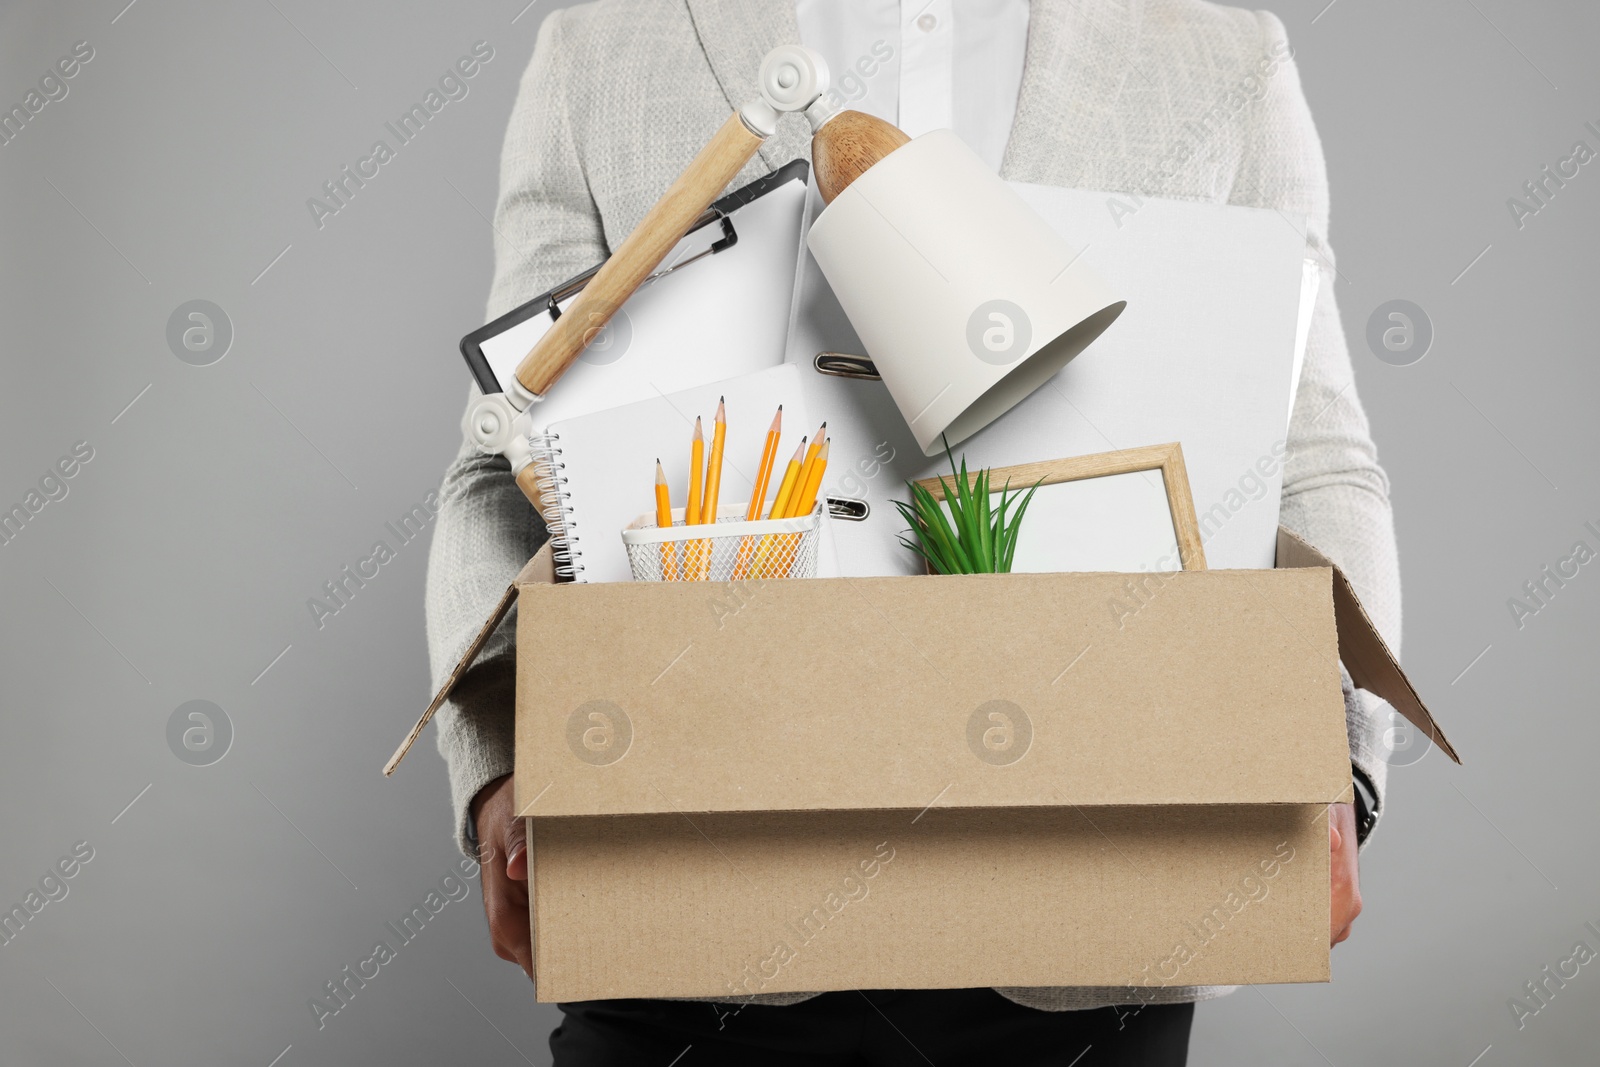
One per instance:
(845, 365)
(848, 508)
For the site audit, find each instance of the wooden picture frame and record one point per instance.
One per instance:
(1166, 458)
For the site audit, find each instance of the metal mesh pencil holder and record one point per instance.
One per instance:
(731, 549)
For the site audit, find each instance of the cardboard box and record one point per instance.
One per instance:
(935, 782)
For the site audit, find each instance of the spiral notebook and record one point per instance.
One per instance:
(599, 470)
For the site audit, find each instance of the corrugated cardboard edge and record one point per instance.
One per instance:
(1361, 648)
(541, 568)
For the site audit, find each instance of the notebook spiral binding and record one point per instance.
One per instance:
(555, 504)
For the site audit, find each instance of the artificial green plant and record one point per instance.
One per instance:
(976, 536)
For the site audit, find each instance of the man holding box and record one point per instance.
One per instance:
(1167, 98)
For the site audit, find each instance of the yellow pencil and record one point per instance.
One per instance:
(786, 487)
(708, 506)
(758, 494)
(808, 496)
(719, 438)
(669, 555)
(691, 514)
(769, 455)
(805, 498)
(697, 462)
(806, 468)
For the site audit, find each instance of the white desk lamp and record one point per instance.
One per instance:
(923, 245)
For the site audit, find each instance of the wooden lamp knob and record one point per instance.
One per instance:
(848, 144)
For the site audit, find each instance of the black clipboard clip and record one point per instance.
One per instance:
(729, 238)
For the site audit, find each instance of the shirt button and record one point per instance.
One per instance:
(928, 23)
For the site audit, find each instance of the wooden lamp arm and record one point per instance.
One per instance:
(662, 228)
(792, 78)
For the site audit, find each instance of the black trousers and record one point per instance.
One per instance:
(945, 1027)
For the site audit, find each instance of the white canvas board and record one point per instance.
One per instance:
(1117, 523)
(1120, 522)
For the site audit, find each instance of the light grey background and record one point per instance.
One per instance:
(179, 565)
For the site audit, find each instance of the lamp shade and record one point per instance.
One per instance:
(966, 300)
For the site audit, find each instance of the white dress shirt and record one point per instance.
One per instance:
(925, 64)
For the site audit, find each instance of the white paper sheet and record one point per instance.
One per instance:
(1204, 355)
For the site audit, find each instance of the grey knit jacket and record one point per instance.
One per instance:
(1168, 98)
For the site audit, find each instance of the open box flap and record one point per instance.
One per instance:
(538, 569)
(1362, 649)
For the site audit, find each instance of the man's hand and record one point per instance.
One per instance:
(1344, 877)
(503, 854)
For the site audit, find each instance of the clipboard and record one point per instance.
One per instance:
(735, 267)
